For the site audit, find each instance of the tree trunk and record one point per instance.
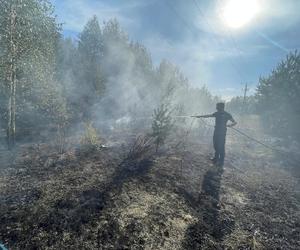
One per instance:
(13, 117)
(9, 116)
(11, 109)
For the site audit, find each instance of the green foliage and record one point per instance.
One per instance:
(66, 56)
(172, 81)
(198, 100)
(90, 45)
(143, 61)
(33, 37)
(88, 74)
(29, 35)
(278, 98)
(161, 125)
(60, 81)
(241, 106)
(113, 34)
(118, 77)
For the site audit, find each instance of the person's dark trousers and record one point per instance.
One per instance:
(219, 146)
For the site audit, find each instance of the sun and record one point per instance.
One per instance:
(238, 13)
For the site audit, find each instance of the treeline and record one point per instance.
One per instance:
(276, 100)
(107, 76)
(48, 82)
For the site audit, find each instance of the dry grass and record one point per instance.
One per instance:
(93, 201)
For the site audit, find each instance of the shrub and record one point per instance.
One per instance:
(90, 137)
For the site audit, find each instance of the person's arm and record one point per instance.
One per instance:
(233, 123)
(203, 116)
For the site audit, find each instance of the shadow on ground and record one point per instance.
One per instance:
(210, 224)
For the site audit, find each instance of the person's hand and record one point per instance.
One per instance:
(231, 125)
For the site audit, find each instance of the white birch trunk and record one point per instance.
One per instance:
(11, 112)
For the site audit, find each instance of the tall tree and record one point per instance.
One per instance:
(66, 72)
(278, 97)
(116, 66)
(28, 35)
(242, 105)
(89, 74)
(171, 80)
(116, 48)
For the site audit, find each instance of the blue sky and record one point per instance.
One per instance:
(192, 34)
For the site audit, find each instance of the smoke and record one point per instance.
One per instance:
(134, 90)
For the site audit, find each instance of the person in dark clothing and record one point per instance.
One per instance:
(222, 117)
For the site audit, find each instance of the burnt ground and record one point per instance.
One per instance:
(175, 199)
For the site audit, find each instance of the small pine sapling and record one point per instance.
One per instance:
(161, 125)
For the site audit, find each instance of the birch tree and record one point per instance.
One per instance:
(28, 33)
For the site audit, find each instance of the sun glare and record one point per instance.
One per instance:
(238, 13)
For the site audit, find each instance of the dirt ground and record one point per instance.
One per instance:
(175, 199)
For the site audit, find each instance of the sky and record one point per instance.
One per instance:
(193, 35)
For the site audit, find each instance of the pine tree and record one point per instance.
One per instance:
(90, 80)
(171, 81)
(66, 62)
(161, 125)
(113, 34)
(278, 97)
(116, 65)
